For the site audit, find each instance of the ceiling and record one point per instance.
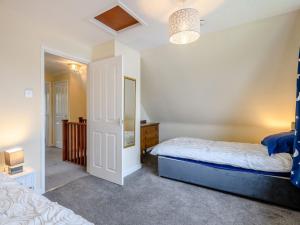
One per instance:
(72, 17)
(56, 65)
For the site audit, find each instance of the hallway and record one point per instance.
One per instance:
(58, 172)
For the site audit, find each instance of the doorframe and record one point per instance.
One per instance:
(45, 49)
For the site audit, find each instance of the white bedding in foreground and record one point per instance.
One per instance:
(21, 206)
(243, 155)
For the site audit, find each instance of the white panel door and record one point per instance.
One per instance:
(105, 120)
(48, 114)
(61, 109)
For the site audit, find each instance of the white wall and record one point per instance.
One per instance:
(20, 62)
(237, 84)
(215, 132)
(105, 50)
(144, 114)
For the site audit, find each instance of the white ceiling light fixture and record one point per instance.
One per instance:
(184, 26)
(74, 67)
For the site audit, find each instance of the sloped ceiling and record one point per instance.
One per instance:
(241, 76)
(72, 17)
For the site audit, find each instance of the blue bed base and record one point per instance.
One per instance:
(266, 188)
(233, 168)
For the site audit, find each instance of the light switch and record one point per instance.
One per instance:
(28, 93)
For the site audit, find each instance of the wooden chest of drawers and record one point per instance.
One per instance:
(149, 136)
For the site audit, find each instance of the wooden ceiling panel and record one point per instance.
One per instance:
(116, 18)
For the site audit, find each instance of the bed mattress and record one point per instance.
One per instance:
(239, 155)
(19, 205)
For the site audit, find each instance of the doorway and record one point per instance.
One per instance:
(101, 131)
(65, 105)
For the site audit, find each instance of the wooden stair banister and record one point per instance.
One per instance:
(81, 120)
(74, 141)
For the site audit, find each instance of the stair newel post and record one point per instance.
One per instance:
(65, 132)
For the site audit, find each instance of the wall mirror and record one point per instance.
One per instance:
(129, 111)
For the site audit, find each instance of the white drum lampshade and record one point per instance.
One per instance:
(14, 156)
(14, 159)
(184, 26)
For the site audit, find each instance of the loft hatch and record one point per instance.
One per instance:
(117, 19)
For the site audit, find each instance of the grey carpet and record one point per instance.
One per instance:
(58, 172)
(147, 199)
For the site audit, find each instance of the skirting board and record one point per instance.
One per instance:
(39, 191)
(132, 170)
(275, 190)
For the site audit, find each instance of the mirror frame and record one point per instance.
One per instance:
(134, 80)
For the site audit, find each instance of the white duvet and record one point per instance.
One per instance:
(243, 155)
(21, 206)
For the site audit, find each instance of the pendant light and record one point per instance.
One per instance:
(184, 26)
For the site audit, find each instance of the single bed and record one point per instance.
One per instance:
(19, 205)
(239, 168)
